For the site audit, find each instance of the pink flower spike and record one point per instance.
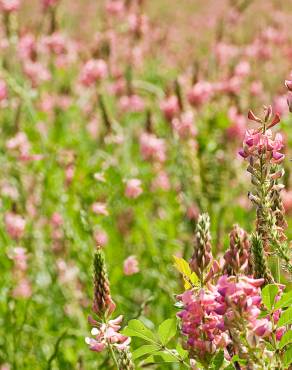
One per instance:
(253, 117)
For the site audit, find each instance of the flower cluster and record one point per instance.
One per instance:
(105, 334)
(261, 142)
(213, 316)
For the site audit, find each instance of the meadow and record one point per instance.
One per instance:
(145, 184)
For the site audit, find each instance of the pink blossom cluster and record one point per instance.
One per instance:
(152, 148)
(210, 314)
(23, 286)
(9, 5)
(3, 90)
(106, 334)
(133, 188)
(261, 141)
(131, 266)
(93, 71)
(131, 103)
(15, 225)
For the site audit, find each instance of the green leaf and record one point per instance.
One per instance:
(190, 278)
(182, 352)
(285, 318)
(287, 357)
(145, 350)
(167, 330)
(269, 294)
(136, 328)
(218, 361)
(286, 339)
(285, 301)
(160, 357)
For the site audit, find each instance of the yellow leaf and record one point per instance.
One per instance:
(190, 278)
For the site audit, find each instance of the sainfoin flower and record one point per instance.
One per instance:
(3, 90)
(100, 208)
(170, 107)
(15, 225)
(133, 188)
(9, 5)
(131, 103)
(200, 93)
(210, 315)
(93, 71)
(131, 265)
(107, 334)
(152, 148)
(261, 141)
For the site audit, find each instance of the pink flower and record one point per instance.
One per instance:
(256, 88)
(131, 266)
(131, 103)
(93, 71)
(200, 93)
(19, 256)
(152, 148)
(238, 124)
(36, 72)
(3, 90)
(242, 69)
(100, 238)
(257, 141)
(115, 7)
(263, 328)
(49, 3)
(15, 225)
(27, 47)
(170, 107)
(184, 125)
(100, 208)
(9, 5)
(19, 142)
(280, 105)
(287, 200)
(57, 219)
(23, 289)
(107, 333)
(133, 188)
(161, 181)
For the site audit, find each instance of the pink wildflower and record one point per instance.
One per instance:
(170, 107)
(108, 333)
(131, 103)
(3, 90)
(101, 238)
(9, 5)
(93, 71)
(100, 208)
(152, 148)
(133, 188)
(15, 225)
(131, 266)
(200, 93)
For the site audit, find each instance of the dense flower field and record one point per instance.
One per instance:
(146, 184)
